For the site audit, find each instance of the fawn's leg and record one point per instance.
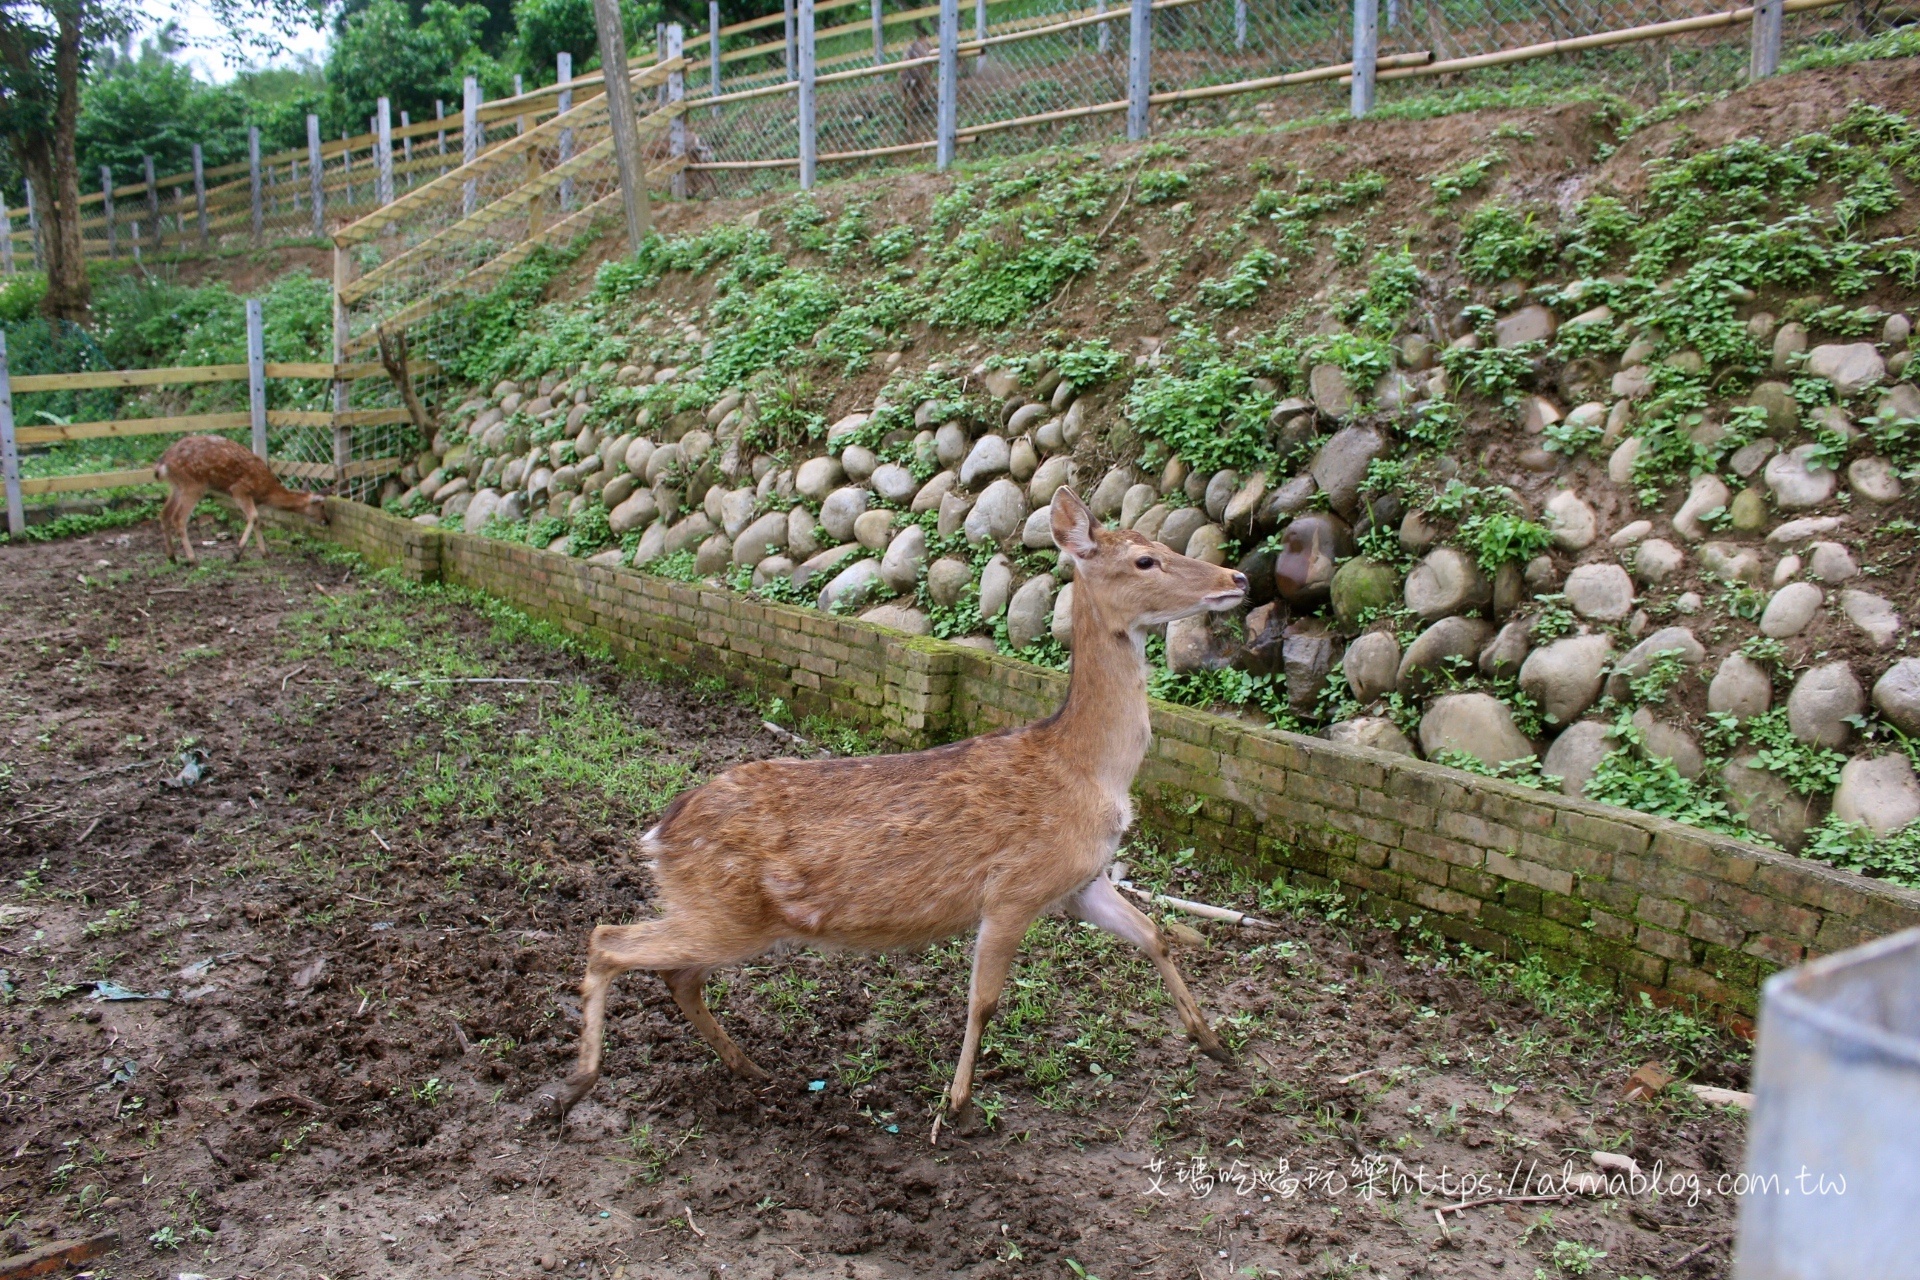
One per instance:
(663, 945)
(1101, 905)
(687, 988)
(166, 522)
(189, 498)
(993, 955)
(252, 513)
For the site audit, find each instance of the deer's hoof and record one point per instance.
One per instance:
(1211, 1046)
(557, 1098)
(965, 1120)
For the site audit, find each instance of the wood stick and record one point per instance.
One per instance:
(1204, 910)
(393, 354)
(58, 1256)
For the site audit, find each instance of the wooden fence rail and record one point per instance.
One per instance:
(256, 373)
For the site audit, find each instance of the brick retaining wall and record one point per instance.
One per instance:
(1634, 901)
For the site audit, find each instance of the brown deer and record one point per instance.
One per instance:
(984, 835)
(915, 81)
(194, 464)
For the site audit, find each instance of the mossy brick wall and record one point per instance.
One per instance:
(1632, 901)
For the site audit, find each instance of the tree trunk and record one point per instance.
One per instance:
(69, 295)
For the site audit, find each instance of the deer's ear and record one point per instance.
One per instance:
(1073, 524)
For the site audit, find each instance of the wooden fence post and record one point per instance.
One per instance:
(33, 228)
(382, 152)
(106, 205)
(6, 241)
(1763, 59)
(179, 216)
(257, 376)
(253, 176)
(470, 138)
(346, 168)
(626, 138)
(342, 389)
(879, 33)
(677, 92)
(563, 76)
(1239, 24)
(9, 450)
(315, 177)
(1106, 29)
(713, 51)
(948, 113)
(153, 204)
(980, 26)
(792, 53)
(807, 148)
(1139, 69)
(440, 113)
(406, 145)
(200, 197)
(1366, 53)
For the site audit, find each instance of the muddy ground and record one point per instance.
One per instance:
(368, 919)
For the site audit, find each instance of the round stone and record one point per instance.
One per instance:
(1791, 609)
(946, 579)
(1896, 696)
(1478, 724)
(1741, 687)
(1602, 592)
(1573, 523)
(1361, 585)
(1456, 638)
(1656, 560)
(1309, 548)
(1445, 582)
(1564, 677)
(1879, 793)
(1795, 482)
(1874, 480)
(1372, 665)
(1822, 700)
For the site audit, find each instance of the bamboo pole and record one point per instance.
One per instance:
(10, 450)
(97, 480)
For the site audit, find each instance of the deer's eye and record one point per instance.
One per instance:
(1144, 562)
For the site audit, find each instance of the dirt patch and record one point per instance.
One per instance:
(368, 918)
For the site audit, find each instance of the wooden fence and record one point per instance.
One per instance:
(341, 472)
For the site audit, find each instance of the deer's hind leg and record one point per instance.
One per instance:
(1101, 905)
(252, 513)
(687, 986)
(672, 946)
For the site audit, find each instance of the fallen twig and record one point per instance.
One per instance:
(290, 675)
(692, 1225)
(1718, 1097)
(472, 680)
(58, 1256)
(1204, 910)
(1693, 1253)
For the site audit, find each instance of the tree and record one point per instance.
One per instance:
(44, 47)
(381, 52)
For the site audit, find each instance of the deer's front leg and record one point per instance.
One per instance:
(992, 958)
(1101, 905)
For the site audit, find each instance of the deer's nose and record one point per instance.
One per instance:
(1240, 580)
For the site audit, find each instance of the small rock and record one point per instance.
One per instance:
(1731, 561)
(999, 513)
(841, 508)
(900, 566)
(1873, 614)
(950, 444)
(1504, 655)
(1361, 585)
(894, 482)
(1341, 464)
(762, 538)
(1538, 414)
(1111, 491)
(1748, 511)
(1455, 637)
(1576, 753)
(996, 587)
(1372, 665)
(1632, 383)
(1573, 523)
(1749, 458)
(1768, 803)
(771, 568)
(1831, 562)
(1639, 659)
(1795, 483)
(1602, 592)
(1447, 582)
(1851, 367)
(1180, 526)
(714, 555)
(1777, 401)
(1529, 324)
(1328, 387)
(852, 586)
(815, 478)
(1789, 342)
(1688, 602)
(1821, 702)
(1023, 460)
(1656, 560)
(1662, 741)
(1306, 658)
(900, 617)
(1873, 479)
(988, 458)
(1194, 645)
(1620, 461)
(1541, 575)
(1564, 677)
(1309, 547)
(1741, 686)
(1219, 491)
(1135, 504)
(1037, 533)
(1289, 499)
(1029, 612)
(946, 579)
(1629, 534)
(1051, 476)
(1707, 494)
(1879, 793)
(1804, 529)
(1896, 695)
(934, 491)
(1244, 505)
(1786, 571)
(1478, 724)
(1375, 732)
(1791, 610)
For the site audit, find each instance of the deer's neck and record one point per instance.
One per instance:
(1104, 724)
